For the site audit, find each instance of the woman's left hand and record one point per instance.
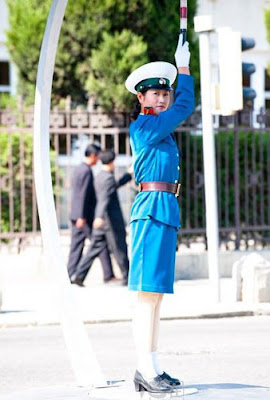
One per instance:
(182, 54)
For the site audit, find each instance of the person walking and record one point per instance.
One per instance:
(109, 226)
(155, 211)
(82, 211)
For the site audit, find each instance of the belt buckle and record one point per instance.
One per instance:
(140, 187)
(178, 190)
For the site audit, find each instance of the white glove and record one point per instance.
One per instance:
(182, 54)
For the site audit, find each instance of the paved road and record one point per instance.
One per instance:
(232, 351)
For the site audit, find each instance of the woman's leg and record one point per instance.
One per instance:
(159, 371)
(145, 329)
(155, 337)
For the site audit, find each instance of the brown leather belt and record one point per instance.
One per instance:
(160, 187)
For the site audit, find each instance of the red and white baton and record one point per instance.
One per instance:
(183, 19)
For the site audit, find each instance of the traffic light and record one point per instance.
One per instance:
(233, 89)
(229, 90)
(249, 94)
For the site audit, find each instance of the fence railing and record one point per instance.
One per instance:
(243, 171)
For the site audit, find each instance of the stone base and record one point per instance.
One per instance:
(251, 277)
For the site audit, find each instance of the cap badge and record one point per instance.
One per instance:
(162, 81)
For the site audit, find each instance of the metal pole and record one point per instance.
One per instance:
(82, 357)
(209, 165)
(236, 187)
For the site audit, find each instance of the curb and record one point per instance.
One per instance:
(212, 315)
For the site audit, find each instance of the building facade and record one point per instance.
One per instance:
(246, 16)
(7, 69)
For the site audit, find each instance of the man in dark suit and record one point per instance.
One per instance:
(83, 210)
(109, 226)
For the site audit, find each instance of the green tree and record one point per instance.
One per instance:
(156, 22)
(80, 33)
(267, 25)
(10, 145)
(163, 30)
(109, 66)
(254, 197)
(27, 20)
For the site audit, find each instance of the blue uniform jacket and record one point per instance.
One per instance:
(156, 155)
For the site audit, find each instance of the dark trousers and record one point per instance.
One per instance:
(78, 237)
(101, 239)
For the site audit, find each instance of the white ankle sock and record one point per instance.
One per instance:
(156, 365)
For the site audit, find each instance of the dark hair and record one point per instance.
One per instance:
(136, 111)
(93, 148)
(107, 156)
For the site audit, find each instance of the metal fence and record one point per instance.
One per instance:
(243, 171)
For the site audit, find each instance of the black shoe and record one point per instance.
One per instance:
(155, 385)
(124, 282)
(169, 380)
(76, 281)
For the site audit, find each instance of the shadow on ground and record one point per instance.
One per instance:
(125, 391)
(230, 391)
(226, 386)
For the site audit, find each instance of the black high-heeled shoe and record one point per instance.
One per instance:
(169, 380)
(155, 385)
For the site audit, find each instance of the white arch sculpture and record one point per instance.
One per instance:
(83, 360)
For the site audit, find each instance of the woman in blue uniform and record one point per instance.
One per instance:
(155, 212)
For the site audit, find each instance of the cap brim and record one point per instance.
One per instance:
(156, 69)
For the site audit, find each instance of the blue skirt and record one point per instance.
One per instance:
(152, 264)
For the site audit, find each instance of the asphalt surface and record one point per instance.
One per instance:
(220, 358)
(217, 356)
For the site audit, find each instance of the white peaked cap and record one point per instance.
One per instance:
(156, 69)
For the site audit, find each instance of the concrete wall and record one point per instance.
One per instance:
(195, 265)
(189, 263)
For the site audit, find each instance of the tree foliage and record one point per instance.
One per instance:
(87, 26)
(10, 188)
(116, 56)
(267, 25)
(27, 21)
(254, 196)
(10, 144)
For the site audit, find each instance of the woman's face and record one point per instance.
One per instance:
(159, 100)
